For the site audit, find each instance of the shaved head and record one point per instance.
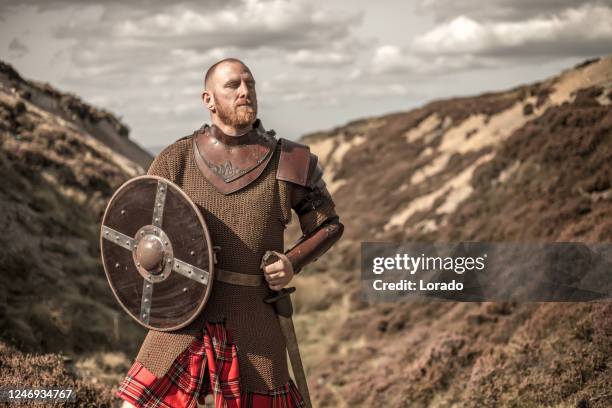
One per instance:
(211, 71)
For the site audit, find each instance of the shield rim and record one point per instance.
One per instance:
(211, 269)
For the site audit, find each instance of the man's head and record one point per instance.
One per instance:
(230, 94)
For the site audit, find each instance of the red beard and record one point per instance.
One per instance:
(238, 116)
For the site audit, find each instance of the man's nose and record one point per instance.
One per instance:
(243, 91)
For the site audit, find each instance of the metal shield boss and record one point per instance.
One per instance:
(157, 253)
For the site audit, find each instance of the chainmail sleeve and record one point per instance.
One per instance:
(160, 166)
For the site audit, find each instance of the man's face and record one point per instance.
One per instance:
(233, 94)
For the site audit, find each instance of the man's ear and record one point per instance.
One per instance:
(208, 100)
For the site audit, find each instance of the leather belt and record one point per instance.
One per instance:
(236, 278)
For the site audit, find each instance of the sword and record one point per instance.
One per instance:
(281, 301)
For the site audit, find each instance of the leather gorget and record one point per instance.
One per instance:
(231, 163)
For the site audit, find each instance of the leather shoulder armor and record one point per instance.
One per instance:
(297, 164)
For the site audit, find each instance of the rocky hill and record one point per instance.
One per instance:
(60, 161)
(533, 163)
(71, 111)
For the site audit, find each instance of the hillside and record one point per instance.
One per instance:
(71, 111)
(60, 163)
(533, 163)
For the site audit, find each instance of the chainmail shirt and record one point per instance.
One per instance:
(244, 224)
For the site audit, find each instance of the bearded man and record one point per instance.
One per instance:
(245, 182)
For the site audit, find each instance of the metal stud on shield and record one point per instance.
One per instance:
(157, 253)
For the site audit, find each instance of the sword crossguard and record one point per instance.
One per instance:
(281, 300)
(279, 294)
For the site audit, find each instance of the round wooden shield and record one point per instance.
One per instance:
(157, 253)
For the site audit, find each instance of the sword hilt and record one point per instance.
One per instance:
(281, 299)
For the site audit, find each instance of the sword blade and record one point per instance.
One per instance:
(286, 324)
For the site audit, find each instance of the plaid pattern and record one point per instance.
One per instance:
(208, 365)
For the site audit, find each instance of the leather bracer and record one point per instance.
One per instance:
(310, 247)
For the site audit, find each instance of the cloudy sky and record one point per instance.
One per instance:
(317, 64)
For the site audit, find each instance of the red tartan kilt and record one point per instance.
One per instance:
(208, 365)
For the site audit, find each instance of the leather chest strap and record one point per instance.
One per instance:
(236, 278)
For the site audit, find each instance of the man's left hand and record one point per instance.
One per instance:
(278, 274)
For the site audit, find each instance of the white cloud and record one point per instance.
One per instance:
(465, 43)
(250, 24)
(171, 46)
(462, 32)
(566, 32)
(391, 59)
